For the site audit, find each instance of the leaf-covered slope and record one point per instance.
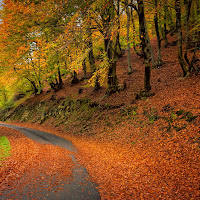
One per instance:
(145, 148)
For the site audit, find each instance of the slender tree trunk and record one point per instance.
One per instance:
(108, 48)
(165, 26)
(35, 88)
(37, 75)
(168, 12)
(159, 58)
(60, 82)
(127, 38)
(167, 18)
(133, 27)
(84, 69)
(118, 48)
(194, 58)
(34, 85)
(145, 46)
(171, 25)
(196, 37)
(188, 4)
(182, 62)
(91, 58)
(97, 84)
(198, 17)
(150, 47)
(32, 82)
(91, 54)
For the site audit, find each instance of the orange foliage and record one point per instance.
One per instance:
(137, 159)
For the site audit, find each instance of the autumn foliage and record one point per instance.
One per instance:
(147, 148)
(135, 142)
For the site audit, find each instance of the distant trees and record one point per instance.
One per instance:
(191, 22)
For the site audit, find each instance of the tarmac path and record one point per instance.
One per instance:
(72, 190)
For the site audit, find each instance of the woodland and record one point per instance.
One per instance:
(44, 41)
(118, 78)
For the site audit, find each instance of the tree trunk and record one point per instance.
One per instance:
(150, 47)
(84, 69)
(159, 58)
(196, 37)
(127, 38)
(112, 79)
(182, 62)
(168, 17)
(171, 24)
(107, 19)
(145, 46)
(91, 58)
(147, 78)
(165, 26)
(118, 49)
(107, 45)
(37, 75)
(34, 85)
(75, 79)
(97, 84)
(57, 84)
(60, 83)
(133, 27)
(188, 4)
(198, 17)
(91, 54)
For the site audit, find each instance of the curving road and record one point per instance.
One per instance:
(72, 190)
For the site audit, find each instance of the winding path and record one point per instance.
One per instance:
(72, 190)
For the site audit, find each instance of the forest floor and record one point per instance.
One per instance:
(136, 149)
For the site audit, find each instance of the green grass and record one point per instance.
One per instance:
(4, 148)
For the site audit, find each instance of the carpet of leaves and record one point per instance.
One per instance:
(141, 159)
(144, 156)
(32, 163)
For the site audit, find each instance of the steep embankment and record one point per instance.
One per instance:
(133, 149)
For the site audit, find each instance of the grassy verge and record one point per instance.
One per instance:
(4, 148)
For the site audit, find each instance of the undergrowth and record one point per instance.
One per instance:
(85, 116)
